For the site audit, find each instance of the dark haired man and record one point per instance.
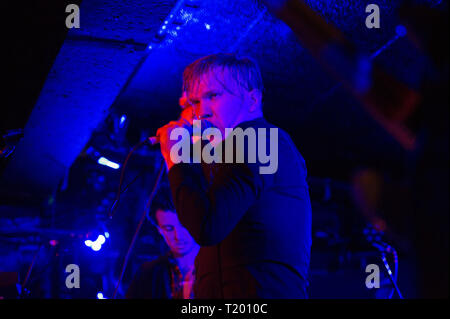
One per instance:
(170, 276)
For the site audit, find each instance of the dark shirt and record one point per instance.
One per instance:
(254, 229)
(158, 279)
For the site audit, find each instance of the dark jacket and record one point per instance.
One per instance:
(152, 281)
(254, 229)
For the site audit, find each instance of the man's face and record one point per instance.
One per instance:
(222, 106)
(176, 236)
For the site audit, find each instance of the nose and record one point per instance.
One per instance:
(176, 234)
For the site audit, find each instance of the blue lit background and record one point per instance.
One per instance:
(118, 78)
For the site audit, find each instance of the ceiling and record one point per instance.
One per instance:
(126, 60)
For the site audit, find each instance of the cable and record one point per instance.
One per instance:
(384, 247)
(394, 282)
(144, 213)
(29, 270)
(395, 257)
(134, 179)
(122, 173)
(374, 238)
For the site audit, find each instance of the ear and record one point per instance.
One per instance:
(255, 97)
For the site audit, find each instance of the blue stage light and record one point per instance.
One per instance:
(100, 295)
(96, 246)
(104, 161)
(400, 30)
(106, 234)
(101, 239)
(122, 120)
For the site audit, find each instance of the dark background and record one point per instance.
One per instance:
(66, 92)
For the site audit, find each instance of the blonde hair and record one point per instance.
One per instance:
(244, 70)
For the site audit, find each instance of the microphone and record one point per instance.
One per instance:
(153, 140)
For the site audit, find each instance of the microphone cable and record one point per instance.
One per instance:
(122, 173)
(30, 267)
(383, 248)
(120, 191)
(144, 213)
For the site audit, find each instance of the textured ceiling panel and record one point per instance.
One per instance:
(135, 20)
(85, 79)
(81, 86)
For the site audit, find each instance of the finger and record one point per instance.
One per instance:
(166, 129)
(185, 122)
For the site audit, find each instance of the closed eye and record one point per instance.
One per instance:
(194, 102)
(212, 95)
(167, 228)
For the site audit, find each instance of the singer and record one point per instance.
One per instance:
(254, 229)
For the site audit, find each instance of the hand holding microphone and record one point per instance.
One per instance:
(185, 121)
